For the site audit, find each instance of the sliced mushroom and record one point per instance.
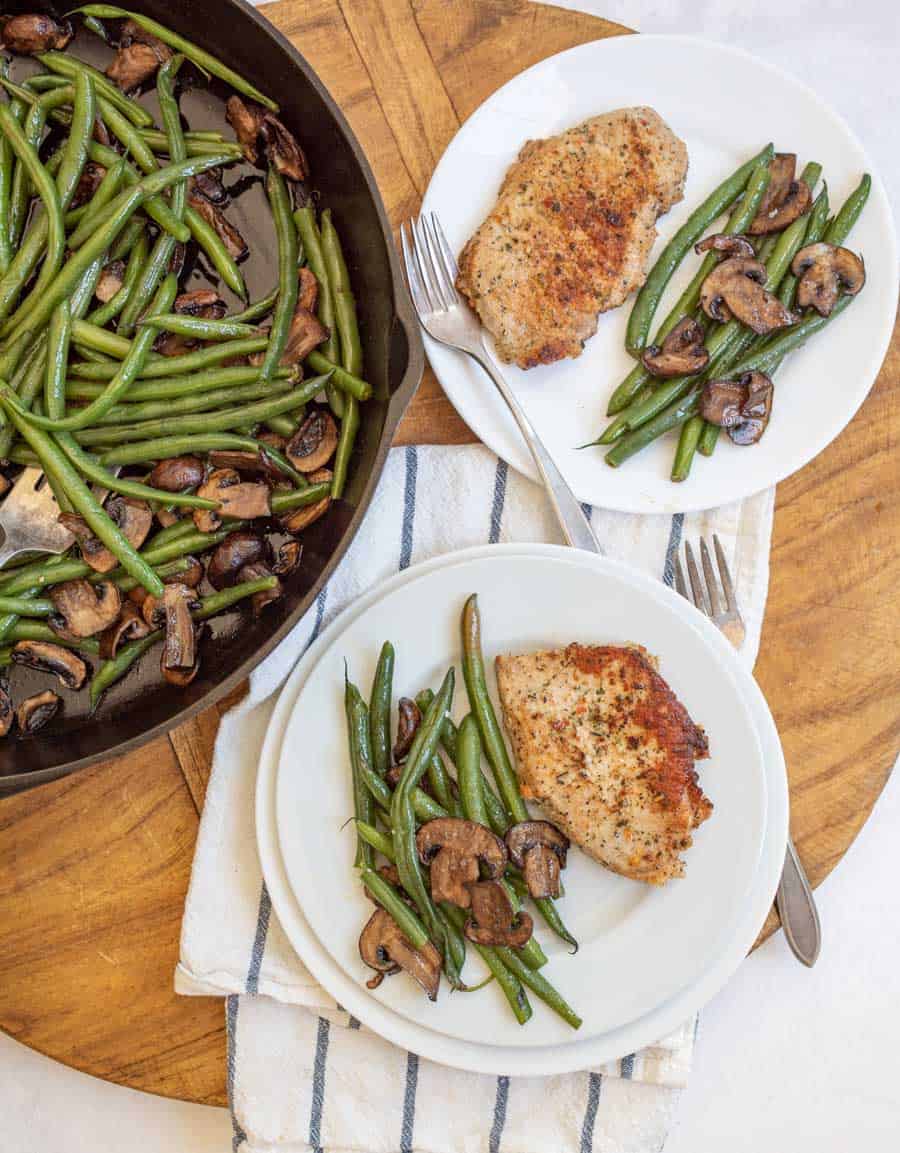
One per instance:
(94, 553)
(384, 948)
(180, 649)
(258, 601)
(83, 609)
(180, 677)
(225, 230)
(756, 409)
(539, 849)
(454, 849)
(313, 444)
(111, 279)
(824, 270)
(272, 439)
(177, 474)
(27, 35)
(209, 185)
(167, 516)
(287, 557)
(71, 670)
(133, 518)
(730, 244)
(236, 550)
(191, 576)
(735, 288)
(246, 118)
(782, 169)
(302, 518)
(90, 180)
(7, 713)
(493, 920)
(306, 333)
(138, 58)
(721, 402)
(796, 201)
(203, 302)
(237, 499)
(245, 461)
(129, 626)
(409, 718)
(37, 711)
(682, 353)
(250, 123)
(307, 289)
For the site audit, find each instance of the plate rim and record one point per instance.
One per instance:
(793, 463)
(469, 1055)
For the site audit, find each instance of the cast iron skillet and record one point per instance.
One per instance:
(141, 707)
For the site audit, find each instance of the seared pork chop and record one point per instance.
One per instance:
(607, 749)
(571, 232)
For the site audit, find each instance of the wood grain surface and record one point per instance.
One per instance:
(94, 868)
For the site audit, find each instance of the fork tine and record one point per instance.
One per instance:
(727, 586)
(442, 282)
(696, 584)
(426, 269)
(680, 585)
(712, 587)
(447, 257)
(412, 272)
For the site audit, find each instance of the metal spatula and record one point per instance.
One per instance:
(28, 518)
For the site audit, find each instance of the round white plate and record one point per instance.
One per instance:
(625, 928)
(725, 105)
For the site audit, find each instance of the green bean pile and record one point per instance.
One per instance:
(644, 407)
(112, 377)
(392, 810)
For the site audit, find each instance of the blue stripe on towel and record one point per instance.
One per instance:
(672, 548)
(500, 478)
(318, 1086)
(409, 506)
(263, 914)
(590, 1112)
(409, 1103)
(627, 1067)
(500, 1103)
(238, 1136)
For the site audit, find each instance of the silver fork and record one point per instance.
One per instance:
(431, 271)
(28, 518)
(794, 900)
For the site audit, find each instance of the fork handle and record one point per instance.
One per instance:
(797, 909)
(569, 513)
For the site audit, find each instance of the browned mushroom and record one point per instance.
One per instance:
(313, 444)
(824, 270)
(756, 409)
(49, 658)
(7, 713)
(454, 849)
(237, 499)
(202, 302)
(287, 557)
(37, 711)
(90, 180)
(168, 516)
(129, 626)
(133, 518)
(191, 576)
(256, 571)
(782, 170)
(493, 920)
(539, 849)
(177, 474)
(138, 57)
(209, 185)
(302, 518)
(784, 199)
(384, 948)
(245, 461)
(225, 230)
(111, 279)
(252, 122)
(736, 288)
(179, 677)
(272, 439)
(306, 333)
(307, 289)
(27, 35)
(409, 717)
(682, 353)
(5, 484)
(730, 244)
(83, 609)
(180, 649)
(246, 118)
(721, 402)
(236, 550)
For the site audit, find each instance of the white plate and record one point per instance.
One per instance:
(622, 913)
(725, 105)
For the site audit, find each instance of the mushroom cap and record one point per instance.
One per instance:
(721, 402)
(493, 920)
(237, 247)
(301, 518)
(255, 571)
(306, 333)
(313, 444)
(733, 244)
(238, 500)
(454, 848)
(177, 474)
(27, 35)
(794, 204)
(287, 557)
(133, 518)
(384, 948)
(35, 712)
(756, 409)
(539, 849)
(85, 609)
(71, 670)
(7, 712)
(782, 170)
(180, 649)
(111, 279)
(735, 288)
(236, 550)
(409, 717)
(129, 626)
(682, 353)
(825, 269)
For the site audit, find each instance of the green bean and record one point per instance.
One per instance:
(155, 206)
(57, 467)
(690, 232)
(386, 895)
(380, 710)
(23, 607)
(200, 328)
(128, 136)
(849, 212)
(109, 187)
(372, 836)
(166, 366)
(12, 355)
(494, 744)
(32, 129)
(92, 336)
(538, 985)
(360, 754)
(113, 670)
(512, 987)
(217, 602)
(258, 310)
(35, 630)
(6, 174)
(280, 204)
(691, 431)
(156, 141)
(425, 808)
(109, 311)
(70, 67)
(58, 336)
(763, 359)
(343, 380)
(97, 27)
(305, 220)
(169, 388)
(346, 439)
(439, 784)
(198, 56)
(132, 232)
(223, 262)
(468, 768)
(345, 322)
(163, 448)
(674, 414)
(198, 402)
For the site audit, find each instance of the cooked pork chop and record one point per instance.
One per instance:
(571, 232)
(607, 749)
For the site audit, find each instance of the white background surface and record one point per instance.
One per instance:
(787, 1058)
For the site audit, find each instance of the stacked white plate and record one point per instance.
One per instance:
(649, 957)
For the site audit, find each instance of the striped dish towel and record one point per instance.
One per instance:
(301, 1073)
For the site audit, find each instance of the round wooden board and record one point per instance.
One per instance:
(94, 868)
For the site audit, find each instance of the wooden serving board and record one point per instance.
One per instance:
(94, 868)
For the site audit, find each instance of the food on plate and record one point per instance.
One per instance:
(778, 259)
(571, 233)
(203, 414)
(606, 749)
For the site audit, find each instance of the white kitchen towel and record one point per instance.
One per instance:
(302, 1074)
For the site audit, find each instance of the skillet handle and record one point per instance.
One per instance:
(406, 357)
